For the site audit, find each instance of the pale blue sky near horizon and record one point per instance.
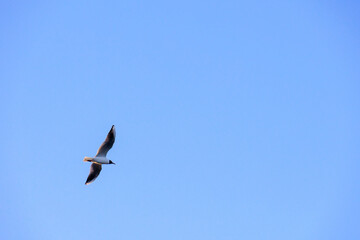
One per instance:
(234, 119)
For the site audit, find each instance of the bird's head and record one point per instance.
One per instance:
(111, 162)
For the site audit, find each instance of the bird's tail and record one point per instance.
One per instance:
(88, 159)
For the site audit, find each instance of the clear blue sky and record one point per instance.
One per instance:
(235, 119)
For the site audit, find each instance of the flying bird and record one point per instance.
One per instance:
(100, 157)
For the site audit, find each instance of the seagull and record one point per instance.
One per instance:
(100, 157)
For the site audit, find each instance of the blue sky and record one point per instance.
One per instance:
(235, 119)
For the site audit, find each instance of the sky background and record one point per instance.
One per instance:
(234, 119)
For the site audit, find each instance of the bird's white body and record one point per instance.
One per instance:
(100, 160)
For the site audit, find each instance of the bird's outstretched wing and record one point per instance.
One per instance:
(107, 144)
(95, 170)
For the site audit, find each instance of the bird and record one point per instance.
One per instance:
(100, 157)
